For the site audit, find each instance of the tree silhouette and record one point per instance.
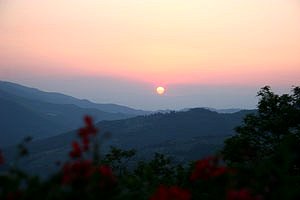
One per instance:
(272, 130)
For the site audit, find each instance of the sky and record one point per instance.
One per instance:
(207, 53)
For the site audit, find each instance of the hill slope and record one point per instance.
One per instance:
(20, 117)
(58, 98)
(184, 135)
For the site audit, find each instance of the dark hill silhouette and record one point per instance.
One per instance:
(20, 117)
(187, 135)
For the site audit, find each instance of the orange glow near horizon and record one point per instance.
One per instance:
(156, 41)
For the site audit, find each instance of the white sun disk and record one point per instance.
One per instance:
(160, 90)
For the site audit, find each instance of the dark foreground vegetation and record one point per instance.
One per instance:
(261, 161)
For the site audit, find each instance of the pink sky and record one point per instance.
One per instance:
(212, 42)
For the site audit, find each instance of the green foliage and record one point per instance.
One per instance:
(261, 135)
(266, 148)
(118, 159)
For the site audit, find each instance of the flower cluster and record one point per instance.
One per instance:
(108, 179)
(81, 171)
(243, 194)
(77, 171)
(14, 195)
(207, 168)
(171, 193)
(84, 133)
(76, 150)
(1, 158)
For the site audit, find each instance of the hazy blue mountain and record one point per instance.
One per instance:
(185, 135)
(226, 110)
(57, 98)
(20, 117)
(18, 121)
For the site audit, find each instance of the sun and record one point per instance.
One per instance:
(160, 90)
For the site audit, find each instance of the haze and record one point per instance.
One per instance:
(211, 53)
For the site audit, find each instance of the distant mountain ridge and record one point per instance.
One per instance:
(20, 117)
(30, 112)
(226, 110)
(58, 98)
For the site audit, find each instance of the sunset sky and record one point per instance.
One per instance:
(214, 53)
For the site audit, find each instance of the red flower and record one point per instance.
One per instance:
(219, 171)
(1, 158)
(77, 171)
(76, 150)
(89, 126)
(14, 195)
(171, 193)
(83, 132)
(207, 168)
(88, 121)
(107, 173)
(87, 131)
(243, 194)
(105, 170)
(86, 143)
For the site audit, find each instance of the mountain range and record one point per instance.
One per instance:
(27, 111)
(53, 119)
(184, 135)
